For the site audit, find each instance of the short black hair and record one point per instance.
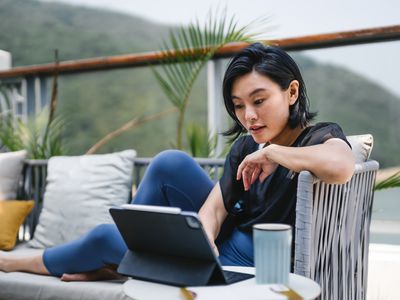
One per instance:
(277, 65)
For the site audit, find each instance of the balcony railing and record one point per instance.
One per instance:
(28, 86)
(346, 38)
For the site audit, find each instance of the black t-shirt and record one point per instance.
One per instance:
(274, 200)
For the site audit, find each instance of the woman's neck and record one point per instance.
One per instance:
(288, 136)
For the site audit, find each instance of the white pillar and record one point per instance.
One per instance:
(5, 60)
(216, 110)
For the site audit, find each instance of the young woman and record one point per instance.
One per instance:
(265, 95)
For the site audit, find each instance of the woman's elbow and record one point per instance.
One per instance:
(345, 173)
(341, 171)
(341, 163)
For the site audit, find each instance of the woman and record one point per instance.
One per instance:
(265, 95)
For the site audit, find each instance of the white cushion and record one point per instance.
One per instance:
(79, 192)
(22, 286)
(361, 146)
(11, 164)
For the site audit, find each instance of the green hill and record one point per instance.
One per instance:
(96, 103)
(31, 30)
(357, 104)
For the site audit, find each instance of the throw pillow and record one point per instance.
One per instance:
(11, 164)
(12, 215)
(361, 146)
(79, 192)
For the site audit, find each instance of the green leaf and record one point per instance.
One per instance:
(17, 135)
(188, 50)
(392, 181)
(201, 144)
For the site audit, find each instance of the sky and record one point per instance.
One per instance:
(290, 18)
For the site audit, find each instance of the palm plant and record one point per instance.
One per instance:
(392, 181)
(135, 122)
(200, 143)
(40, 141)
(188, 50)
(41, 135)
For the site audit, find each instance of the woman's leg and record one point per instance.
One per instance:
(32, 264)
(100, 247)
(236, 249)
(174, 179)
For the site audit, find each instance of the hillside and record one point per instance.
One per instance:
(96, 103)
(31, 30)
(357, 104)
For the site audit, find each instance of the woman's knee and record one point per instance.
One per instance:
(102, 235)
(168, 161)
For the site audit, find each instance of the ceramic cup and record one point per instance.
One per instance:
(272, 245)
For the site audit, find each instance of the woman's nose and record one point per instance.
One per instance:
(251, 114)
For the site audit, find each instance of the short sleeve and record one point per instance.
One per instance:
(231, 188)
(321, 132)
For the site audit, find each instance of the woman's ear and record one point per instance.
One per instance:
(293, 90)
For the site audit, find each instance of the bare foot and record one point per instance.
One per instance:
(106, 273)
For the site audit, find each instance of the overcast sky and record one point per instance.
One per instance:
(289, 18)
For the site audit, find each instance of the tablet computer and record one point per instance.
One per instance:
(169, 246)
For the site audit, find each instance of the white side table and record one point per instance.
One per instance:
(247, 289)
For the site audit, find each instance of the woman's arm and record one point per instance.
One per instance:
(332, 162)
(212, 214)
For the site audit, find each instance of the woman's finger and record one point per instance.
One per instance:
(243, 165)
(262, 176)
(239, 171)
(255, 174)
(245, 180)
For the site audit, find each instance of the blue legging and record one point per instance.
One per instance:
(172, 179)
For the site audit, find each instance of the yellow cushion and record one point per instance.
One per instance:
(12, 215)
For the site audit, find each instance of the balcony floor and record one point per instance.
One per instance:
(383, 272)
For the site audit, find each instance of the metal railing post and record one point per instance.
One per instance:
(36, 95)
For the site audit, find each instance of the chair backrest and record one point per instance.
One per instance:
(332, 232)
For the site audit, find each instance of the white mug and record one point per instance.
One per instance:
(272, 248)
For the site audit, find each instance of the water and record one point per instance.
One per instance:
(385, 227)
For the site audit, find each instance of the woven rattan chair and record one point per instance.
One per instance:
(332, 232)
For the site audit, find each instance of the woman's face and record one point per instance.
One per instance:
(262, 107)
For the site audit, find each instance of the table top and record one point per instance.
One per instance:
(247, 289)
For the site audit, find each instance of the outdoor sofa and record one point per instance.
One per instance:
(332, 221)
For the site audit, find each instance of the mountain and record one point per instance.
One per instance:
(96, 103)
(357, 104)
(31, 30)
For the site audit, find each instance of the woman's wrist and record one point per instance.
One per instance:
(268, 151)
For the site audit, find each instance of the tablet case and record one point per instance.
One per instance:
(170, 248)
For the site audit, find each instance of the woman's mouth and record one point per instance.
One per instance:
(255, 129)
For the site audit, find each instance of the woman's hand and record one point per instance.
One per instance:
(212, 214)
(253, 166)
(331, 162)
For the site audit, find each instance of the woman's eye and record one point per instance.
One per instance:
(238, 106)
(259, 101)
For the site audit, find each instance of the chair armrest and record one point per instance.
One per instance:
(332, 230)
